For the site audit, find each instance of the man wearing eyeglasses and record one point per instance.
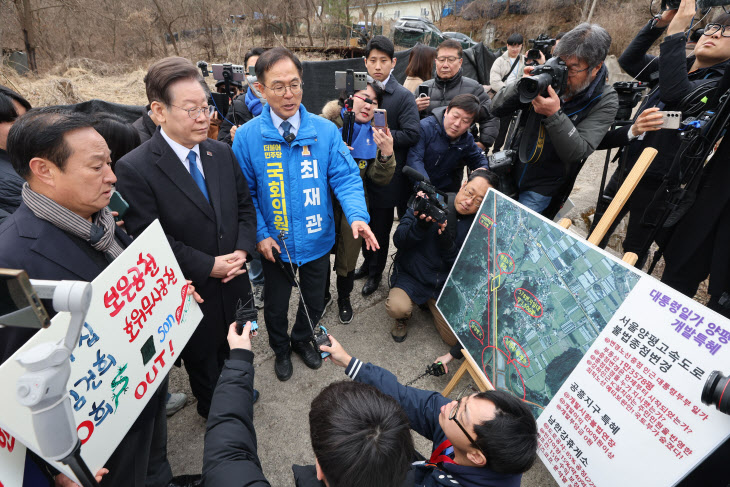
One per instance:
(572, 124)
(487, 438)
(679, 77)
(195, 187)
(450, 82)
(292, 161)
(426, 252)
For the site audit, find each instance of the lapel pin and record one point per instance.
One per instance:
(209, 153)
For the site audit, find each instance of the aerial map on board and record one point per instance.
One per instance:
(527, 299)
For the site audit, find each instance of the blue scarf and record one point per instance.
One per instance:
(253, 103)
(363, 145)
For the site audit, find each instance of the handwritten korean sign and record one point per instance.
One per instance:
(139, 321)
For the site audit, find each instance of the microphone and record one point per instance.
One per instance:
(413, 174)
(290, 138)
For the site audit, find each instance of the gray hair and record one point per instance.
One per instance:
(587, 42)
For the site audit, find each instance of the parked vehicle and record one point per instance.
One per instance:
(409, 31)
(465, 40)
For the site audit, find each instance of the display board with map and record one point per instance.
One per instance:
(611, 361)
(527, 299)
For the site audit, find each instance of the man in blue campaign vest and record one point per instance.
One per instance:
(291, 159)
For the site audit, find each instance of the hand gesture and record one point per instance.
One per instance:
(239, 341)
(682, 17)
(384, 140)
(338, 354)
(648, 121)
(423, 102)
(361, 229)
(264, 248)
(226, 267)
(547, 105)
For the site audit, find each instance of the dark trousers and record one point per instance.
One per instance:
(313, 278)
(140, 460)
(503, 127)
(203, 375)
(381, 222)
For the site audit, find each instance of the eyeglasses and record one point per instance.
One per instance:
(470, 195)
(366, 100)
(711, 29)
(195, 112)
(280, 90)
(572, 71)
(444, 59)
(455, 411)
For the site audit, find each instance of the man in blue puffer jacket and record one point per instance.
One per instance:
(488, 439)
(446, 145)
(291, 159)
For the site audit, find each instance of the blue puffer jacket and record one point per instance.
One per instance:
(441, 159)
(423, 409)
(290, 183)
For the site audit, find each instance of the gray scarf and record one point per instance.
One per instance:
(99, 233)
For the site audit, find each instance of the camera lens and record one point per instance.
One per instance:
(717, 392)
(528, 88)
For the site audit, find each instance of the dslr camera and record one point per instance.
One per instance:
(540, 45)
(553, 73)
(433, 203)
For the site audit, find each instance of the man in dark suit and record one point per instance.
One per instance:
(63, 230)
(195, 187)
(403, 122)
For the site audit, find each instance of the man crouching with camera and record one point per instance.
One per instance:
(427, 248)
(567, 109)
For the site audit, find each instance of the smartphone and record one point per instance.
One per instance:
(380, 119)
(19, 303)
(422, 91)
(671, 120)
(252, 70)
(117, 203)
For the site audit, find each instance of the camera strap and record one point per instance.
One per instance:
(534, 131)
(517, 61)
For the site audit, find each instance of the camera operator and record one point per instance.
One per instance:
(483, 439)
(678, 77)
(360, 436)
(446, 145)
(573, 125)
(427, 251)
(448, 83)
(245, 105)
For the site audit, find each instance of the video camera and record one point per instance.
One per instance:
(553, 73)
(431, 203)
(702, 5)
(540, 45)
(629, 95)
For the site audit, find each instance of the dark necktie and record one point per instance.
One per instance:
(196, 174)
(286, 129)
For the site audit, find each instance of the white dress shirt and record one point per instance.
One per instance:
(295, 120)
(182, 152)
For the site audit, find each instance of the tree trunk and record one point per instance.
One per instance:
(168, 28)
(25, 13)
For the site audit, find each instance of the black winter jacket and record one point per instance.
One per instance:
(442, 91)
(675, 82)
(230, 457)
(11, 185)
(424, 257)
(441, 159)
(145, 126)
(403, 124)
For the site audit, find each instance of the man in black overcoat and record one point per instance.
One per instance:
(195, 187)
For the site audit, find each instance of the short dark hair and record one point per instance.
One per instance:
(491, 177)
(420, 62)
(360, 436)
(254, 51)
(467, 102)
(8, 113)
(509, 441)
(515, 39)
(382, 44)
(120, 136)
(451, 44)
(167, 71)
(41, 133)
(267, 60)
(723, 18)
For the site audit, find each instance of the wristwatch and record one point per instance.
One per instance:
(383, 159)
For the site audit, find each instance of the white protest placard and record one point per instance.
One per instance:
(12, 461)
(139, 321)
(633, 402)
